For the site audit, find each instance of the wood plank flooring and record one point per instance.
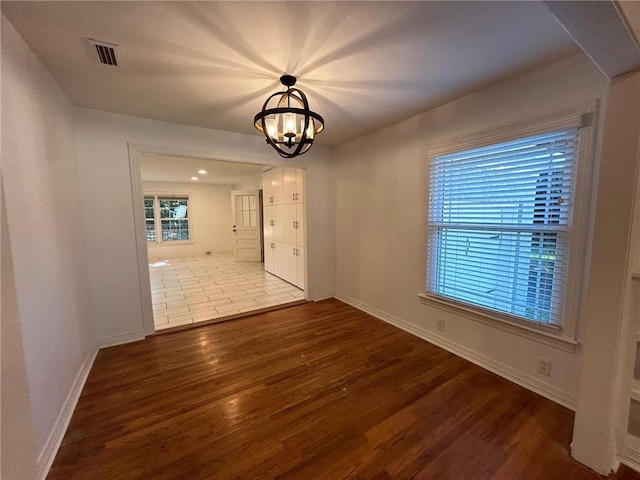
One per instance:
(315, 391)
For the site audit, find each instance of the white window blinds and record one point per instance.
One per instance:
(499, 225)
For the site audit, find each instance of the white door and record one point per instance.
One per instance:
(245, 212)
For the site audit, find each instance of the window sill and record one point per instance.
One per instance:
(169, 243)
(543, 334)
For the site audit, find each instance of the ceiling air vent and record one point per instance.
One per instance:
(107, 53)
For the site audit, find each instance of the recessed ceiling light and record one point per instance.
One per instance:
(202, 172)
(194, 178)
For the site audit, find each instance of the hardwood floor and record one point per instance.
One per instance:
(315, 391)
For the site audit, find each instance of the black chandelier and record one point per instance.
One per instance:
(286, 121)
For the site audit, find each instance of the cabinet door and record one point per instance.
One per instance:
(269, 247)
(300, 186)
(273, 228)
(278, 225)
(290, 264)
(289, 185)
(268, 223)
(266, 189)
(300, 224)
(300, 268)
(276, 185)
(279, 267)
(289, 222)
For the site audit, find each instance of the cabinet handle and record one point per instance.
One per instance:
(270, 199)
(293, 196)
(271, 223)
(273, 245)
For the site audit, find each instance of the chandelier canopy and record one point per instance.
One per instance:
(287, 122)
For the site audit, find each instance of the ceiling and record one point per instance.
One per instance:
(363, 65)
(165, 168)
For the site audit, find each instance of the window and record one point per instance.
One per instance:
(166, 218)
(499, 224)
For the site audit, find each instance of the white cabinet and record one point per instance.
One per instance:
(290, 265)
(289, 219)
(300, 266)
(300, 186)
(283, 198)
(293, 265)
(274, 258)
(299, 224)
(269, 247)
(292, 185)
(272, 187)
(289, 185)
(273, 223)
(278, 259)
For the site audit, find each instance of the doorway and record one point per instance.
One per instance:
(204, 242)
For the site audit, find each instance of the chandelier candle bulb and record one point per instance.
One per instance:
(309, 129)
(272, 129)
(290, 124)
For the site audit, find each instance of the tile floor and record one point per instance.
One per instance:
(191, 290)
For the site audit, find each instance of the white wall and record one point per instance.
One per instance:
(46, 232)
(254, 183)
(107, 205)
(381, 182)
(209, 220)
(18, 453)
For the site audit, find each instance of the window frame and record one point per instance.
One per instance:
(157, 219)
(562, 335)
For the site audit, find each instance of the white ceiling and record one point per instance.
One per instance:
(164, 168)
(363, 65)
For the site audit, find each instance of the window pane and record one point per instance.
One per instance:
(173, 208)
(175, 229)
(151, 231)
(499, 221)
(148, 207)
(513, 272)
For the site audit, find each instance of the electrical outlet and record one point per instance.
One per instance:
(440, 324)
(544, 367)
(208, 252)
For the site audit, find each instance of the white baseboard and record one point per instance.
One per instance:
(322, 296)
(121, 338)
(51, 446)
(516, 376)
